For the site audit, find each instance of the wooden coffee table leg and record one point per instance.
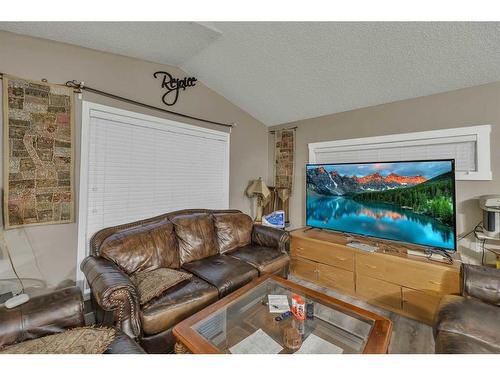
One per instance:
(179, 348)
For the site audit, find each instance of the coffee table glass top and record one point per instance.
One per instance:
(245, 325)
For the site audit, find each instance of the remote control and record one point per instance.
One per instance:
(283, 316)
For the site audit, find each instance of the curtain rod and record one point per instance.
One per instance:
(274, 131)
(79, 86)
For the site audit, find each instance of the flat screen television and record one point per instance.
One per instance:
(408, 201)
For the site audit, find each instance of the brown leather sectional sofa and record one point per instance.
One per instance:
(470, 323)
(223, 250)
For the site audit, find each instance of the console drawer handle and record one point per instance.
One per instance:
(370, 266)
(434, 282)
(340, 258)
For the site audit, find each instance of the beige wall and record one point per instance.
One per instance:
(472, 106)
(31, 58)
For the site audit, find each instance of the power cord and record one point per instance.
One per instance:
(482, 248)
(482, 240)
(34, 254)
(4, 245)
(444, 254)
(476, 228)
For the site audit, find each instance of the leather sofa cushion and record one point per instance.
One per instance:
(470, 318)
(456, 343)
(196, 236)
(142, 248)
(178, 303)
(265, 259)
(233, 230)
(224, 272)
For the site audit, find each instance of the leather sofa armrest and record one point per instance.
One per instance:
(114, 291)
(482, 283)
(271, 237)
(42, 315)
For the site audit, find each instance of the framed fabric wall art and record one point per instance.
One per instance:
(38, 155)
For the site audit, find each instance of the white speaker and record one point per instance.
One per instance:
(491, 224)
(491, 215)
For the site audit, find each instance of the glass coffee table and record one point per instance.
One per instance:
(241, 323)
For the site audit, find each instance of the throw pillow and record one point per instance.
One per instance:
(151, 284)
(81, 340)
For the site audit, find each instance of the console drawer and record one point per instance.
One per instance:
(336, 278)
(420, 305)
(326, 253)
(304, 269)
(423, 276)
(378, 292)
(371, 265)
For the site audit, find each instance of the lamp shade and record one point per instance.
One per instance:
(258, 187)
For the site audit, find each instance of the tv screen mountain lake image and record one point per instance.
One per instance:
(403, 201)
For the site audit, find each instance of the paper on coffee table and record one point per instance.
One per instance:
(258, 342)
(316, 345)
(278, 303)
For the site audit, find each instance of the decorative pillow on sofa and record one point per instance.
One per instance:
(151, 284)
(233, 230)
(81, 340)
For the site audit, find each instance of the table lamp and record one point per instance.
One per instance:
(257, 188)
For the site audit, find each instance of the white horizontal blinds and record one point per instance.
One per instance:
(469, 146)
(462, 149)
(138, 170)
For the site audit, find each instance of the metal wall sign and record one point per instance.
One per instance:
(172, 86)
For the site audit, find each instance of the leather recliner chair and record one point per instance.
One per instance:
(53, 313)
(470, 323)
(223, 250)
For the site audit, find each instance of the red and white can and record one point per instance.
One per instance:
(298, 307)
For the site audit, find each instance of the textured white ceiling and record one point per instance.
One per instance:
(282, 72)
(170, 43)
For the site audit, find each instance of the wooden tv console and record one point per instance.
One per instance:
(390, 278)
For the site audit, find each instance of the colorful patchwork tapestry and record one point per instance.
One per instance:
(38, 153)
(284, 154)
(283, 180)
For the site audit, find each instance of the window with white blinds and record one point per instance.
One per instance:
(135, 167)
(468, 146)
